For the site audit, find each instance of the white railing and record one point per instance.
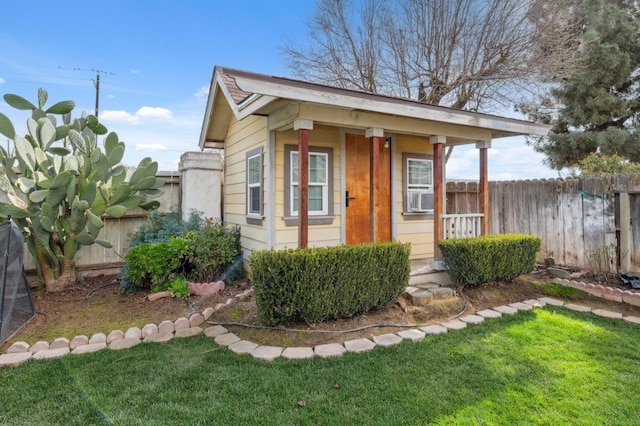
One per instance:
(461, 225)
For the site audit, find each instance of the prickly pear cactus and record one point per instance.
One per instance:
(61, 184)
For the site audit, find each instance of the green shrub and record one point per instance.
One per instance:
(151, 264)
(316, 284)
(211, 250)
(473, 261)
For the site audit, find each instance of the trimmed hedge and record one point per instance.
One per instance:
(318, 284)
(473, 261)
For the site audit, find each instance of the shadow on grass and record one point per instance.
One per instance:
(548, 366)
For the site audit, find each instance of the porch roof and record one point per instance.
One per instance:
(241, 94)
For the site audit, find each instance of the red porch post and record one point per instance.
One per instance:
(303, 127)
(483, 193)
(374, 135)
(438, 142)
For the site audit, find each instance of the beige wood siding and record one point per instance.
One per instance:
(417, 232)
(319, 235)
(242, 137)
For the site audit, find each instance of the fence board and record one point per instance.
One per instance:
(574, 218)
(635, 232)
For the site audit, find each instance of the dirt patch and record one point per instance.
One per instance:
(71, 313)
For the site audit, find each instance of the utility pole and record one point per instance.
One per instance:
(97, 85)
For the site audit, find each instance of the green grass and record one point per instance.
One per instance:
(558, 290)
(549, 366)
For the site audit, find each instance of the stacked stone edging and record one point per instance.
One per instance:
(609, 293)
(116, 339)
(183, 327)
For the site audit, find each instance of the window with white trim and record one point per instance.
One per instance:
(254, 184)
(418, 183)
(320, 185)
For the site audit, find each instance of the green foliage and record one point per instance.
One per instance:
(596, 109)
(60, 183)
(602, 165)
(473, 261)
(317, 284)
(152, 264)
(179, 287)
(203, 250)
(211, 249)
(162, 226)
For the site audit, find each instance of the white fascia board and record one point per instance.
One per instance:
(207, 114)
(428, 112)
(252, 104)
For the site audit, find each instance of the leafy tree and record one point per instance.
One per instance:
(596, 109)
(602, 165)
(60, 184)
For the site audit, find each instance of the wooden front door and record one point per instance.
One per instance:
(358, 196)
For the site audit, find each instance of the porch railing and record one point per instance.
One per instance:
(467, 225)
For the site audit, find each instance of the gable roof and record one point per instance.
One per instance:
(242, 93)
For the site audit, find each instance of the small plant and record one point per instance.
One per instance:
(602, 262)
(179, 287)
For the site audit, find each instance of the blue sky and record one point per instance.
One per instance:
(155, 60)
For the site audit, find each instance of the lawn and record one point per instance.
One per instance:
(550, 366)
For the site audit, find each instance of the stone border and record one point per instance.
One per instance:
(19, 352)
(609, 293)
(183, 327)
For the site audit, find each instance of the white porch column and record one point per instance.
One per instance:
(201, 183)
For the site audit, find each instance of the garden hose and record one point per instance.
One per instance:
(352, 330)
(115, 281)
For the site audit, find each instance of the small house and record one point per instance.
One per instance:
(309, 165)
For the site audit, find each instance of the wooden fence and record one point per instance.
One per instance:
(587, 223)
(94, 259)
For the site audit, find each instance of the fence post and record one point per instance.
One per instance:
(625, 232)
(201, 183)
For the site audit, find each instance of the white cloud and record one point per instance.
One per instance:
(150, 147)
(203, 92)
(509, 159)
(111, 96)
(128, 118)
(119, 117)
(154, 112)
(134, 71)
(2, 80)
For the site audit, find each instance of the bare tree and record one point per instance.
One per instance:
(467, 54)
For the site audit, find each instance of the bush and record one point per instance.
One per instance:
(316, 284)
(152, 264)
(162, 226)
(211, 249)
(473, 261)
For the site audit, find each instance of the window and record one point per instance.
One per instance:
(254, 186)
(320, 185)
(418, 183)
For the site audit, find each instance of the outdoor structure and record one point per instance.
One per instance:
(311, 165)
(16, 304)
